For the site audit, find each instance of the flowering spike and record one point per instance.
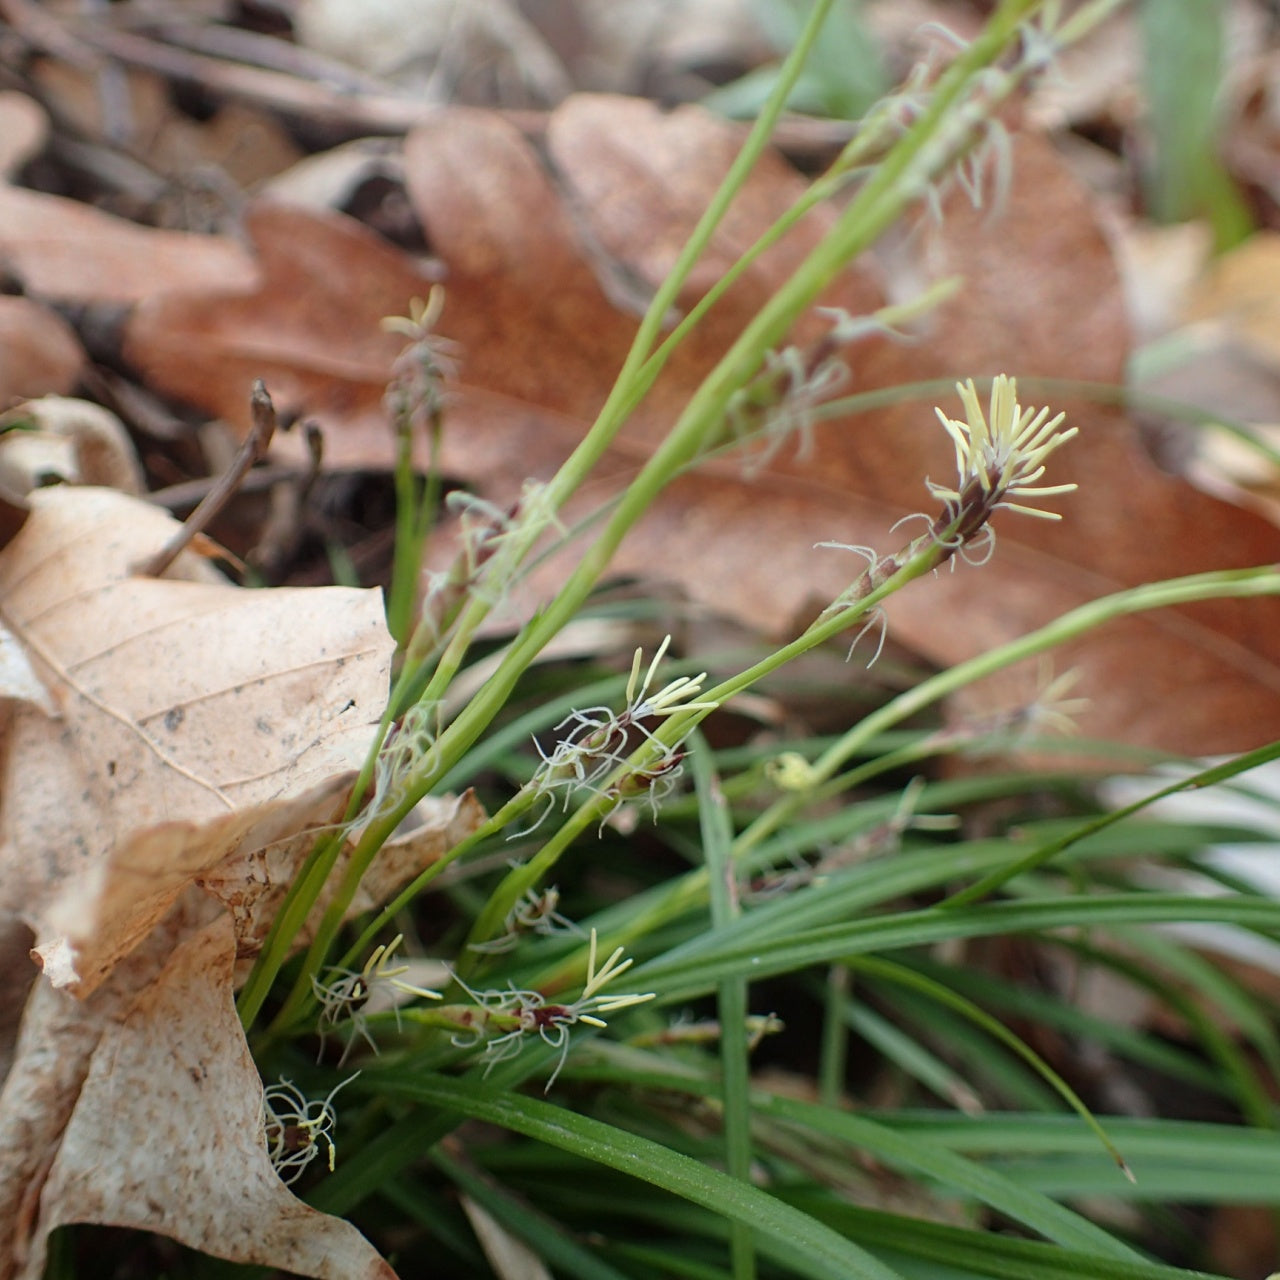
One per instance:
(534, 913)
(1001, 453)
(525, 1013)
(601, 739)
(346, 995)
(293, 1128)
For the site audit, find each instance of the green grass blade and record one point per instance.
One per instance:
(731, 995)
(815, 1250)
(983, 1254)
(706, 960)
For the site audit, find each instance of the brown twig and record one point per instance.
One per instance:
(287, 521)
(379, 113)
(268, 53)
(252, 451)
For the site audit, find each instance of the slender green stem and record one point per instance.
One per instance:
(490, 700)
(921, 156)
(692, 889)
(675, 729)
(1046, 853)
(833, 1059)
(1225, 584)
(640, 368)
(731, 997)
(876, 206)
(891, 971)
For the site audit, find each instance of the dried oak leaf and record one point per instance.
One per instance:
(64, 249)
(549, 254)
(39, 351)
(142, 1107)
(60, 440)
(24, 130)
(309, 327)
(543, 350)
(171, 749)
(1041, 298)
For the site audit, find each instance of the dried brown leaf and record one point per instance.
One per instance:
(179, 702)
(549, 258)
(141, 1107)
(24, 128)
(309, 328)
(39, 353)
(1041, 298)
(64, 249)
(65, 441)
(67, 250)
(172, 748)
(1239, 294)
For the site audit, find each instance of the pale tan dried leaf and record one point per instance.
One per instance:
(39, 352)
(329, 179)
(103, 912)
(66, 441)
(252, 881)
(164, 1127)
(1240, 292)
(484, 51)
(55, 1044)
(1239, 469)
(508, 1255)
(1159, 266)
(18, 679)
(24, 127)
(180, 703)
(172, 749)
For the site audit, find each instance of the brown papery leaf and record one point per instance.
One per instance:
(1041, 299)
(172, 749)
(551, 256)
(141, 1107)
(179, 703)
(67, 250)
(39, 352)
(24, 130)
(310, 328)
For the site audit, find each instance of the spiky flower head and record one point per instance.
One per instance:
(1000, 454)
(347, 995)
(601, 739)
(523, 1014)
(294, 1129)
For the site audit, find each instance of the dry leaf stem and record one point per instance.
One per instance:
(250, 453)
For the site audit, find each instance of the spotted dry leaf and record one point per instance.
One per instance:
(172, 747)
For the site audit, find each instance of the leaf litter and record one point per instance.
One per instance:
(171, 748)
(181, 744)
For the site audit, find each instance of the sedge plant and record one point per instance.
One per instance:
(834, 865)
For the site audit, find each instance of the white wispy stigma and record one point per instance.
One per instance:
(347, 995)
(528, 1013)
(404, 752)
(1002, 453)
(535, 913)
(294, 1128)
(601, 739)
